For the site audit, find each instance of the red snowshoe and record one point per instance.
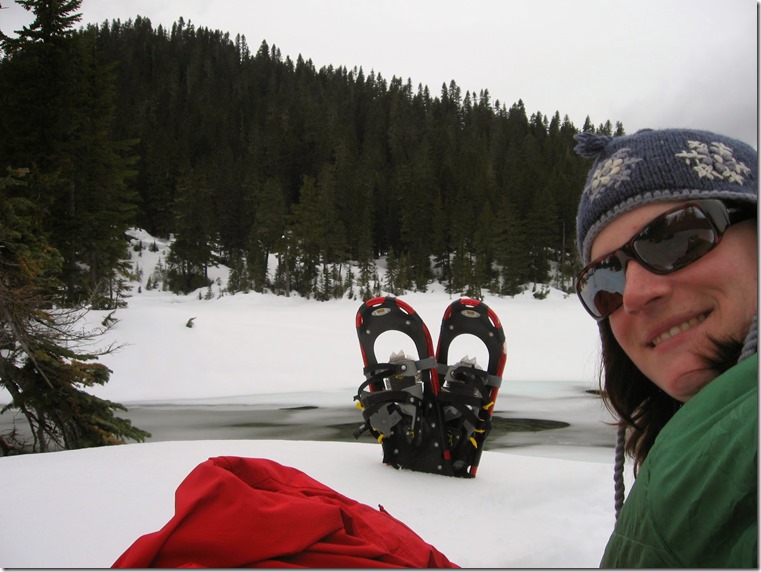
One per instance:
(468, 393)
(422, 425)
(398, 397)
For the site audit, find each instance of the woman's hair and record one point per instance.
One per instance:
(640, 404)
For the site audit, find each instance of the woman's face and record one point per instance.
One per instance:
(665, 321)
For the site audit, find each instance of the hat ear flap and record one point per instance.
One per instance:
(590, 144)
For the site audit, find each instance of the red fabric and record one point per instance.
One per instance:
(236, 512)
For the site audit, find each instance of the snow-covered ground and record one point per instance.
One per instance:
(541, 505)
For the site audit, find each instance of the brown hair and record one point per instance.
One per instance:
(641, 405)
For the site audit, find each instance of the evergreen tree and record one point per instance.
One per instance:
(483, 244)
(309, 232)
(103, 206)
(57, 116)
(542, 232)
(46, 360)
(193, 249)
(511, 249)
(270, 211)
(605, 128)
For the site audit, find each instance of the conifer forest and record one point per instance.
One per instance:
(283, 172)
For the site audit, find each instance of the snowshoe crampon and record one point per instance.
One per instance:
(468, 393)
(398, 397)
(429, 416)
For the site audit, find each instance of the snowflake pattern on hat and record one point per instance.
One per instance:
(613, 172)
(714, 161)
(659, 165)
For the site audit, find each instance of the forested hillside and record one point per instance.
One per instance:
(244, 154)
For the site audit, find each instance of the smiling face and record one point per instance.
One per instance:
(666, 321)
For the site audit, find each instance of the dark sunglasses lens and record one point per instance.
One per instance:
(675, 240)
(601, 287)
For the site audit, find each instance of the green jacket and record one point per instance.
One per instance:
(695, 501)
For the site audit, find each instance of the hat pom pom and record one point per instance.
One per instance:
(590, 144)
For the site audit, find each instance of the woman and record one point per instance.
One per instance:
(666, 230)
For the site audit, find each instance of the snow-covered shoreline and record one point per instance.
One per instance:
(533, 507)
(81, 509)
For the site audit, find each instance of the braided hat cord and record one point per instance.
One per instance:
(618, 471)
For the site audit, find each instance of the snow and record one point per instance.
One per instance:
(547, 504)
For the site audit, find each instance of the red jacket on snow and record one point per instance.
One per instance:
(237, 512)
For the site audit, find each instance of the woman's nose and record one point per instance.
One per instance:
(643, 287)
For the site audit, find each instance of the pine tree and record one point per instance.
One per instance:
(104, 207)
(46, 359)
(268, 203)
(483, 245)
(59, 115)
(511, 249)
(193, 249)
(543, 233)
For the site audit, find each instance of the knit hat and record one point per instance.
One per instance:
(655, 166)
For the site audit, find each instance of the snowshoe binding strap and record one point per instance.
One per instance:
(396, 370)
(387, 313)
(464, 396)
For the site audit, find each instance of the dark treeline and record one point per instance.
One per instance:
(278, 169)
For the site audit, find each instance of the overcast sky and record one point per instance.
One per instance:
(646, 63)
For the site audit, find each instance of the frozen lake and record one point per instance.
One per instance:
(549, 419)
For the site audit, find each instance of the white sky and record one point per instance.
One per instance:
(646, 63)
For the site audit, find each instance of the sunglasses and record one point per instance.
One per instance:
(668, 243)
